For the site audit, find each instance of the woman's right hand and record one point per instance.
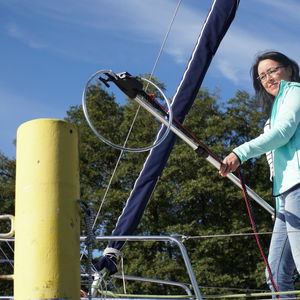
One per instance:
(230, 163)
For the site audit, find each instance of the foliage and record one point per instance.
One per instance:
(7, 196)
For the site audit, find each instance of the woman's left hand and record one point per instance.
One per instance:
(230, 163)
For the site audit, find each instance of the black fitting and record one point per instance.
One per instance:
(202, 151)
(127, 83)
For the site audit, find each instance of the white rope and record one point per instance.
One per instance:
(165, 39)
(107, 189)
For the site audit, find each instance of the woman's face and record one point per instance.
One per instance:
(270, 73)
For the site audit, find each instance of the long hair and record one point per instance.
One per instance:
(264, 98)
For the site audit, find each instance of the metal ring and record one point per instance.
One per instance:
(157, 142)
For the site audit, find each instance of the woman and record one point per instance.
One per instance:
(276, 83)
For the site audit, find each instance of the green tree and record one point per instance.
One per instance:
(7, 196)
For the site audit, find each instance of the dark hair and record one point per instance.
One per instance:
(265, 99)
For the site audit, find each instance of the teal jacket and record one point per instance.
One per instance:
(283, 139)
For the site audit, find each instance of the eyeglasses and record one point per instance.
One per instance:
(272, 71)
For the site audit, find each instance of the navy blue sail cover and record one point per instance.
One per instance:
(213, 30)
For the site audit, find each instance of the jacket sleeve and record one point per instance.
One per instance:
(284, 127)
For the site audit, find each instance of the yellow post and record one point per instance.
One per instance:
(47, 259)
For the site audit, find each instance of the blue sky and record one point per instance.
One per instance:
(50, 48)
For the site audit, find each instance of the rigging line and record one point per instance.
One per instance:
(7, 258)
(237, 234)
(165, 39)
(10, 247)
(115, 169)
(232, 289)
(136, 114)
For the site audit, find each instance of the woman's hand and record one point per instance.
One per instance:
(230, 163)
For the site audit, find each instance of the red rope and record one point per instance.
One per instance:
(254, 229)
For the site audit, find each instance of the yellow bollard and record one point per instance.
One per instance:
(47, 224)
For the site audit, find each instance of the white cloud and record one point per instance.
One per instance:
(138, 21)
(13, 30)
(290, 8)
(236, 54)
(250, 34)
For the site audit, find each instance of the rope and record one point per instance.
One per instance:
(10, 247)
(6, 257)
(115, 169)
(184, 237)
(165, 39)
(255, 231)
